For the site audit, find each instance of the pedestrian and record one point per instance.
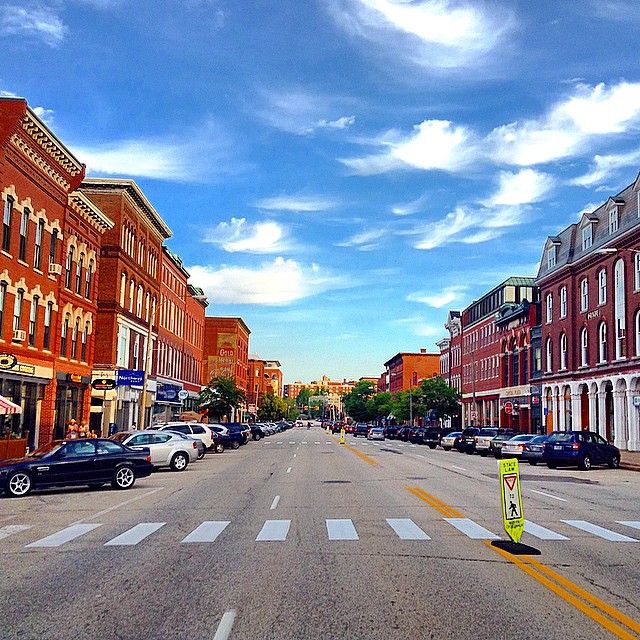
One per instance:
(134, 427)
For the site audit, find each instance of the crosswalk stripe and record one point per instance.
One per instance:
(630, 523)
(65, 535)
(341, 529)
(542, 532)
(10, 529)
(274, 530)
(135, 534)
(472, 529)
(208, 531)
(601, 532)
(407, 529)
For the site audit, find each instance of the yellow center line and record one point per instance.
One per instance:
(564, 587)
(364, 456)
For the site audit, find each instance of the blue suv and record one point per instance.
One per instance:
(583, 448)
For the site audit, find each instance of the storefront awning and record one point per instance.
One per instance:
(6, 406)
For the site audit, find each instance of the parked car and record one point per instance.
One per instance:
(483, 440)
(404, 433)
(514, 447)
(375, 433)
(495, 446)
(432, 436)
(392, 431)
(168, 448)
(584, 448)
(256, 431)
(451, 440)
(468, 439)
(245, 430)
(415, 435)
(231, 439)
(195, 429)
(92, 461)
(534, 450)
(361, 429)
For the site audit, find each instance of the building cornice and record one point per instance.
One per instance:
(86, 209)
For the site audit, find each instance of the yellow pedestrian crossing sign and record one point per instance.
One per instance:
(512, 513)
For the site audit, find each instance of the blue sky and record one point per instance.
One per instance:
(341, 173)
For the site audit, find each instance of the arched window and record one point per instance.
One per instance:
(636, 265)
(123, 288)
(46, 337)
(33, 321)
(563, 351)
(584, 295)
(563, 302)
(132, 288)
(17, 310)
(63, 337)
(83, 349)
(620, 309)
(79, 274)
(69, 265)
(602, 342)
(549, 354)
(549, 308)
(87, 280)
(602, 286)
(637, 325)
(139, 301)
(74, 339)
(584, 345)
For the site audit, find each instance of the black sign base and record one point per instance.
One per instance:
(515, 548)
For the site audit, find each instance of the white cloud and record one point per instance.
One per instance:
(419, 326)
(524, 187)
(280, 282)
(606, 166)
(238, 235)
(46, 115)
(445, 231)
(40, 22)
(439, 299)
(367, 240)
(409, 208)
(436, 34)
(298, 204)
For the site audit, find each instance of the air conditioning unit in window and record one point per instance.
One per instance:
(19, 335)
(55, 269)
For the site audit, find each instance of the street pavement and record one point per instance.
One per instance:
(297, 536)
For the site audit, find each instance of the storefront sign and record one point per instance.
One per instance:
(167, 392)
(74, 377)
(7, 361)
(103, 384)
(514, 392)
(593, 314)
(27, 369)
(130, 377)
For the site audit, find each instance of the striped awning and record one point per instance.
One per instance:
(6, 406)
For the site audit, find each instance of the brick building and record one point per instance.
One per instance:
(51, 237)
(405, 370)
(257, 384)
(273, 371)
(589, 280)
(128, 298)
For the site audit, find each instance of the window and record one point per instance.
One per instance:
(584, 295)
(549, 354)
(53, 247)
(46, 338)
(563, 302)
(6, 224)
(602, 286)
(37, 250)
(584, 344)
(24, 231)
(17, 310)
(636, 271)
(537, 360)
(3, 300)
(551, 257)
(132, 288)
(33, 321)
(139, 301)
(123, 287)
(620, 310)
(136, 352)
(83, 348)
(87, 280)
(602, 342)
(587, 237)
(563, 351)
(69, 265)
(123, 346)
(63, 337)
(637, 325)
(613, 220)
(74, 339)
(549, 308)
(79, 274)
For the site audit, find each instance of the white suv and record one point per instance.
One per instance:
(194, 429)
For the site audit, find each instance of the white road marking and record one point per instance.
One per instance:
(146, 494)
(413, 446)
(341, 530)
(630, 523)
(304, 442)
(548, 495)
(135, 534)
(601, 532)
(420, 455)
(268, 442)
(292, 442)
(275, 502)
(224, 628)
(455, 466)
(208, 531)
(6, 531)
(317, 442)
(274, 530)
(289, 470)
(295, 455)
(407, 529)
(542, 532)
(280, 442)
(61, 537)
(472, 529)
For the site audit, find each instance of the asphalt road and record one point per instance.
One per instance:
(251, 544)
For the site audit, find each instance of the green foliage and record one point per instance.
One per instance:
(303, 397)
(355, 403)
(380, 406)
(220, 396)
(438, 397)
(273, 408)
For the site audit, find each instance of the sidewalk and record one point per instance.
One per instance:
(630, 460)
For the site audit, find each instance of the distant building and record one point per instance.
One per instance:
(405, 370)
(274, 373)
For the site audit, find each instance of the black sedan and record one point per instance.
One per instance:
(91, 461)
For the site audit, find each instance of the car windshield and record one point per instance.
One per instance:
(561, 437)
(46, 449)
(488, 432)
(522, 438)
(538, 439)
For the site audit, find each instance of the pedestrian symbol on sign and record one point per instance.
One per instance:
(511, 499)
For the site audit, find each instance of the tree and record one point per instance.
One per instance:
(220, 397)
(273, 407)
(355, 402)
(439, 399)
(302, 400)
(380, 406)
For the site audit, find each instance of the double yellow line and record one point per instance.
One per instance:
(591, 606)
(363, 456)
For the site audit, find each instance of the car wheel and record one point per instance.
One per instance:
(201, 454)
(447, 448)
(585, 464)
(123, 478)
(432, 446)
(483, 454)
(179, 462)
(257, 436)
(497, 455)
(533, 463)
(614, 463)
(19, 484)
(552, 465)
(235, 444)
(219, 448)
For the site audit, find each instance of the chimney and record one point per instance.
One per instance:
(423, 351)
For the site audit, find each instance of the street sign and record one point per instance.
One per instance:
(512, 513)
(508, 407)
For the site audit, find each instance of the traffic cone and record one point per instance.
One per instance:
(341, 436)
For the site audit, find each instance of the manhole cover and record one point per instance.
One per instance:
(392, 451)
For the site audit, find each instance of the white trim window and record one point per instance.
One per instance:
(584, 347)
(602, 286)
(584, 295)
(636, 271)
(563, 351)
(549, 308)
(551, 257)
(563, 302)
(587, 237)
(549, 355)
(637, 332)
(122, 356)
(602, 342)
(613, 220)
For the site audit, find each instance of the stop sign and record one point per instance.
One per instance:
(508, 407)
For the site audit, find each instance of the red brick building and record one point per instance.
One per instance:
(49, 260)
(128, 298)
(257, 384)
(405, 370)
(589, 280)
